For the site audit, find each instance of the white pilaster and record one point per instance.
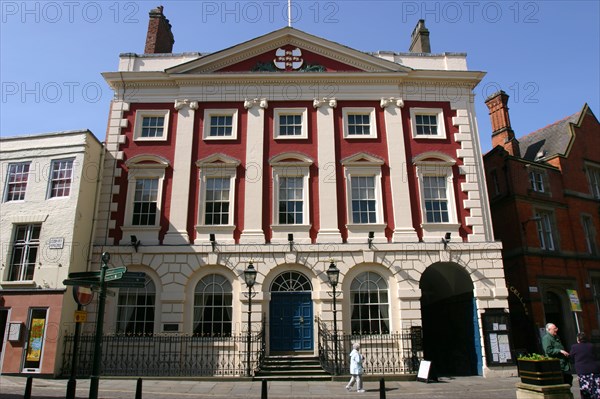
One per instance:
(182, 165)
(404, 230)
(253, 199)
(328, 220)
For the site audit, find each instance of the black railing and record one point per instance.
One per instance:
(167, 355)
(392, 353)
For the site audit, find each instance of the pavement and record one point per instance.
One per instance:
(12, 387)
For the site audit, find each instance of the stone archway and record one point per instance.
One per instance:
(449, 317)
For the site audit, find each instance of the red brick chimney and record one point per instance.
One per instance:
(159, 38)
(502, 133)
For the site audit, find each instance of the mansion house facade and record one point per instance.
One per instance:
(291, 152)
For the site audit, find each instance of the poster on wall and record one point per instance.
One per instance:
(36, 336)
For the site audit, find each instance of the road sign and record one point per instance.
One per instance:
(116, 270)
(76, 281)
(114, 276)
(84, 274)
(80, 316)
(83, 295)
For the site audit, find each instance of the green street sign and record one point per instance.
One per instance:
(116, 270)
(81, 281)
(113, 276)
(84, 274)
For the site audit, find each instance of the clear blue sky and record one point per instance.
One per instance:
(544, 54)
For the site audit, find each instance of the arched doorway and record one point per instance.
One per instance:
(291, 314)
(554, 312)
(450, 327)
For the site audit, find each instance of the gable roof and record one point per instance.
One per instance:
(284, 36)
(554, 139)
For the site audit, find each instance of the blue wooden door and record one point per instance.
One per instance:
(291, 321)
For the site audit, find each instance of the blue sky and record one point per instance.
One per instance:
(544, 54)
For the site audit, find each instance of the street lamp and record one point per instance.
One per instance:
(333, 274)
(250, 278)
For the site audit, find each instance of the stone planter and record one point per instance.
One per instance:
(540, 372)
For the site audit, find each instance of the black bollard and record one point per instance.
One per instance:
(138, 389)
(382, 389)
(71, 388)
(28, 385)
(263, 391)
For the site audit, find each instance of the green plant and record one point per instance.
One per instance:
(534, 356)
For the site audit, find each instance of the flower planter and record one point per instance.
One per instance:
(540, 372)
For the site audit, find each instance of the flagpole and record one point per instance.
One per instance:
(290, 13)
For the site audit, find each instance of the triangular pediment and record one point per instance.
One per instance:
(362, 159)
(218, 160)
(288, 50)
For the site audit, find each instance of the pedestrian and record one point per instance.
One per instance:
(586, 367)
(356, 368)
(555, 349)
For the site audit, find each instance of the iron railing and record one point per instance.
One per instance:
(167, 355)
(392, 353)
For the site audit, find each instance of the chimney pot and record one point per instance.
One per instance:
(159, 38)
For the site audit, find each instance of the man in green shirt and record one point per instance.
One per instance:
(554, 348)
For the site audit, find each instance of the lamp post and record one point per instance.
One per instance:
(250, 278)
(333, 274)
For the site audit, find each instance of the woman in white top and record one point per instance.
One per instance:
(356, 369)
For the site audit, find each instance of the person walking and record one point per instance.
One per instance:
(356, 369)
(586, 367)
(554, 348)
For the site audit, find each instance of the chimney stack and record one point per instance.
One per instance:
(159, 38)
(502, 133)
(420, 39)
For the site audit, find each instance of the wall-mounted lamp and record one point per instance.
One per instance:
(135, 243)
(446, 239)
(291, 241)
(370, 239)
(213, 241)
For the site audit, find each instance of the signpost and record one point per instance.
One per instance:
(83, 282)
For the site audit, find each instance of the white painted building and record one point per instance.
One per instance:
(49, 184)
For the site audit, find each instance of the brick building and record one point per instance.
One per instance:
(544, 191)
(292, 153)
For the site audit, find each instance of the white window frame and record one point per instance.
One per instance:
(303, 112)
(291, 165)
(593, 175)
(8, 184)
(441, 125)
(51, 179)
(437, 165)
(140, 114)
(366, 166)
(537, 181)
(119, 306)
(589, 232)
(346, 111)
(209, 113)
(546, 229)
(140, 168)
(216, 166)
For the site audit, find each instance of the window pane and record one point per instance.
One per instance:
(135, 310)
(291, 202)
(145, 204)
(216, 211)
(426, 125)
(24, 252)
(364, 206)
(60, 178)
(213, 306)
(435, 199)
(152, 126)
(17, 181)
(369, 297)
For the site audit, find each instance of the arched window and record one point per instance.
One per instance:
(135, 309)
(213, 306)
(370, 304)
(291, 281)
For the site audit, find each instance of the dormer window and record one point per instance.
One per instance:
(536, 181)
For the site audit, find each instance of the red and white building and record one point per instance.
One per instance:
(289, 150)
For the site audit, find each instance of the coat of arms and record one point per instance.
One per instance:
(288, 59)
